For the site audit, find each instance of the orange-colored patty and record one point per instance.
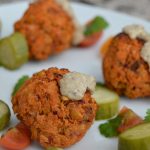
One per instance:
(124, 69)
(54, 120)
(47, 28)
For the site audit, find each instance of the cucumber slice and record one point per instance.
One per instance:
(54, 148)
(108, 102)
(137, 138)
(13, 51)
(4, 115)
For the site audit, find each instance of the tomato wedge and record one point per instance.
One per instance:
(16, 138)
(129, 119)
(24, 129)
(93, 31)
(91, 39)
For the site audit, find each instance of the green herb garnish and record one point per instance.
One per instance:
(97, 25)
(147, 117)
(101, 84)
(109, 129)
(19, 84)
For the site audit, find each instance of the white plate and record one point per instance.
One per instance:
(82, 60)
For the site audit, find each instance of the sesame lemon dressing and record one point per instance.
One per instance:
(138, 31)
(79, 29)
(74, 85)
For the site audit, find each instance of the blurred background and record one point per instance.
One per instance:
(139, 8)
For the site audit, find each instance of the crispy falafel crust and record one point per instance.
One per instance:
(47, 27)
(54, 120)
(124, 69)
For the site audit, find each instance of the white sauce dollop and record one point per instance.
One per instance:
(138, 31)
(134, 31)
(74, 85)
(145, 53)
(79, 29)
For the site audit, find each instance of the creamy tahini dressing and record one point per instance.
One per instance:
(79, 29)
(137, 31)
(145, 53)
(134, 31)
(74, 85)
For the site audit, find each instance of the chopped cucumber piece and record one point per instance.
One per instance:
(137, 138)
(13, 51)
(4, 115)
(108, 102)
(54, 148)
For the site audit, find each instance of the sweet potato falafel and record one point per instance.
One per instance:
(54, 119)
(47, 27)
(124, 69)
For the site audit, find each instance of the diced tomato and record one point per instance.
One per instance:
(91, 40)
(129, 119)
(105, 46)
(15, 139)
(24, 129)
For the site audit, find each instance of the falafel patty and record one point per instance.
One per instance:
(124, 69)
(47, 27)
(54, 120)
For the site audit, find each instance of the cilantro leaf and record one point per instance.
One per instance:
(147, 117)
(109, 129)
(96, 25)
(19, 84)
